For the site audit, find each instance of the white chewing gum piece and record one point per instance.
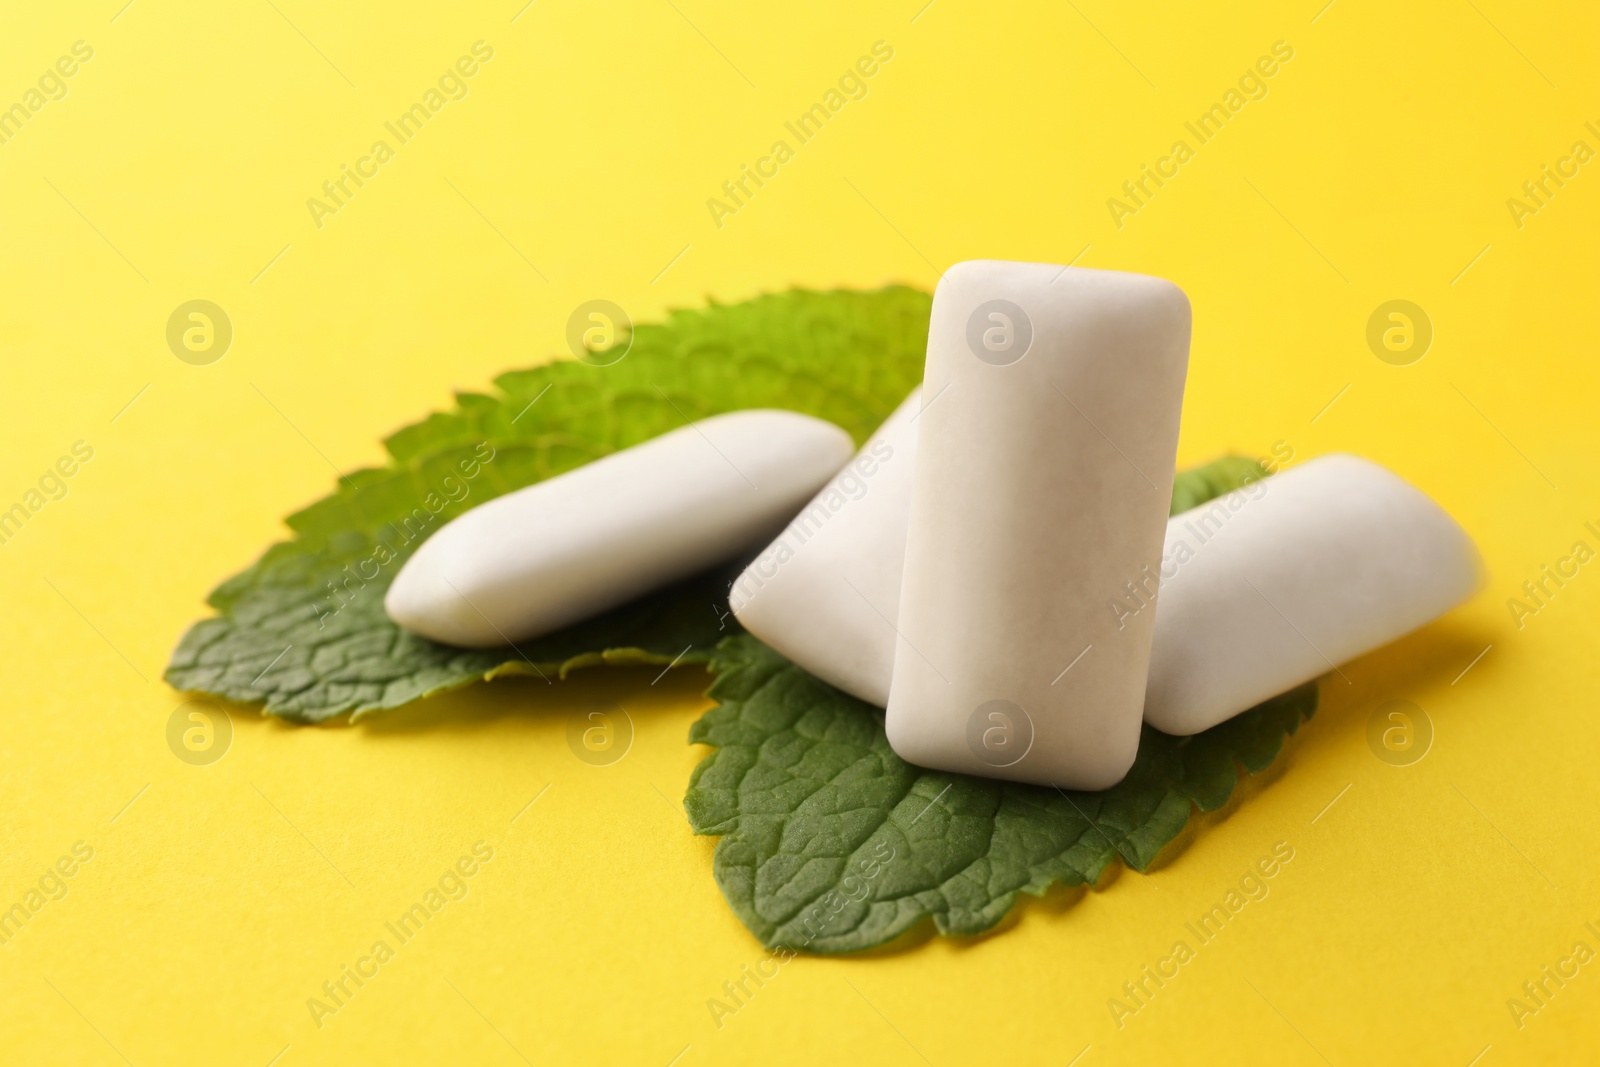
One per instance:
(573, 546)
(1285, 579)
(1045, 455)
(826, 592)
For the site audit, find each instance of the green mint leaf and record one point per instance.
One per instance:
(832, 843)
(303, 630)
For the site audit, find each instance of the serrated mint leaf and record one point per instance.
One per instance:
(832, 843)
(303, 631)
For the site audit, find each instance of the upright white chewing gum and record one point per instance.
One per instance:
(1284, 579)
(826, 592)
(1045, 455)
(580, 543)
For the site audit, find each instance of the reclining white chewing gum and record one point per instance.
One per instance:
(826, 592)
(1283, 580)
(1045, 455)
(573, 546)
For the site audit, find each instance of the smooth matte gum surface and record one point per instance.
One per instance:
(1045, 453)
(571, 547)
(1281, 581)
(825, 593)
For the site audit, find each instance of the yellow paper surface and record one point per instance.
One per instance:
(1374, 165)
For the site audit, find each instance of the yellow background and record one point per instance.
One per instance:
(178, 167)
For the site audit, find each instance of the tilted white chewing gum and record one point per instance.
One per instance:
(573, 546)
(1045, 456)
(1284, 579)
(826, 592)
